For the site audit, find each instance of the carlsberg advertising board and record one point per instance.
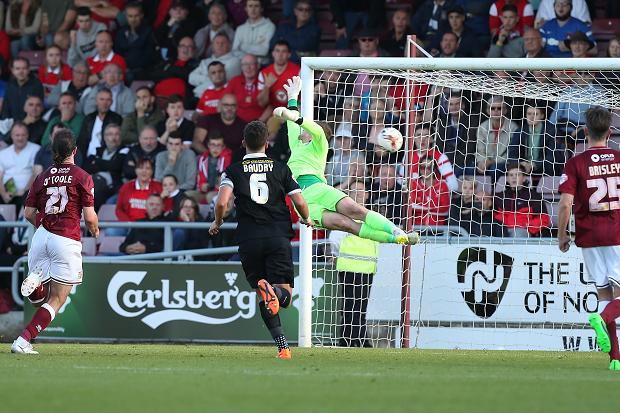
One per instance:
(165, 301)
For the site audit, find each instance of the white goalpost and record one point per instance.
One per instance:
(485, 141)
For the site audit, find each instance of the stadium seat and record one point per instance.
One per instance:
(35, 57)
(8, 212)
(328, 30)
(614, 142)
(552, 209)
(605, 29)
(484, 183)
(109, 245)
(500, 185)
(548, 187)
(204, 210)
(335, 52)
(137, 84)
(89, 246)
(107, 212)
(580, 147)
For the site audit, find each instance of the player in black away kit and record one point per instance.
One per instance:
(264, 231)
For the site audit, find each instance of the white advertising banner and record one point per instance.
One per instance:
(500, 296)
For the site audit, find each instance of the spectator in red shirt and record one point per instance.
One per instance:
(246, 88)
(430, 196)
(131, 203)
(275, 76)
(211, 164)
(207, 105)
(172, 75)
(104, 56)
(524, 11)
(54, 70)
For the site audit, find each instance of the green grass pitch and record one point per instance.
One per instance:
(204, 378)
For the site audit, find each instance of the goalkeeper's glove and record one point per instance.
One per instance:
(293, 87)
(286, 114)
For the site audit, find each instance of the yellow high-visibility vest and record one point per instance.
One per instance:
(358, 255)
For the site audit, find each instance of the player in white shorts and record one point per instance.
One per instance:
(591, 180)
(56, 201)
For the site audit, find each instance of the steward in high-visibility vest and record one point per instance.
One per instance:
(356, 264)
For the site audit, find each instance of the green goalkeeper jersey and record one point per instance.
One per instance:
(307, 158)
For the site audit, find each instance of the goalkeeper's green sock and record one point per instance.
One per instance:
(366, 231)
(379, 222)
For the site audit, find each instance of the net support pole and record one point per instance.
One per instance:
(405, 316)
(305, 233)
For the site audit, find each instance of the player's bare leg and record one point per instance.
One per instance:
(281, 294)
(58, 294)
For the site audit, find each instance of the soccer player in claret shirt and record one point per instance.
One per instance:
(592, 179)
(56, 201)
(329, 207)
(264, 229)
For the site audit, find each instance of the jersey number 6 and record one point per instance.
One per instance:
(56, 193)
(259, 190)
(604, 187)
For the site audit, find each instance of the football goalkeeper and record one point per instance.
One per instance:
(329, 207)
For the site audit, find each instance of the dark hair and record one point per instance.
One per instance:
(148, 89)
(70, 94)
(216, 135)
(515, 165)
(135, 5)
(144, 160)
(428, 157)
(18, 124)
(282, 42)
(174, 178)
(428, 126)
(510, 7)
(598, 122)
(221, 34)
(215, 62)
(20, 58)
(83, 11)
(63, 145)
(255, 135)
(175, 135)
(174, 99)
(104, 89)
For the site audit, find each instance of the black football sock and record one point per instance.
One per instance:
(284, 297)
(273, 325)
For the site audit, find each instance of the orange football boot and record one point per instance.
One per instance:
(269, 297)
(285, 354)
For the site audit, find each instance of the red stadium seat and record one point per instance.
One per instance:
(109, 245)
(335, 52)
(107, 212)
(35, 57)
(548, 187)
(605, 29)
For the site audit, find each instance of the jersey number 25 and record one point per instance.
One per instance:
(604, 187)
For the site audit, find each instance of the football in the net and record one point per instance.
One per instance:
(390, 139)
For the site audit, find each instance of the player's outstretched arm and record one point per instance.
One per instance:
(565, 206)
(92, 221)
(302, 207)
(291, 113)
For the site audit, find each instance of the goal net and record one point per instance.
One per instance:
(485, 142)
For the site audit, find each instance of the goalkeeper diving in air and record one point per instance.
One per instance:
(329, 207)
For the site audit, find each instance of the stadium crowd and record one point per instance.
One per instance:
(157, 94)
